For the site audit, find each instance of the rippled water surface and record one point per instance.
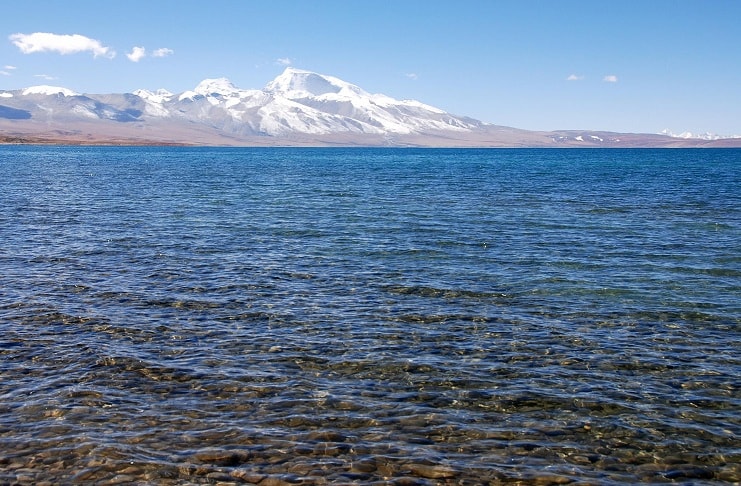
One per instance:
(400, 316)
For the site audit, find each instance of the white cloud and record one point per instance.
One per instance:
(284, 61)
(412, 76)
(5, 73)
(9, 67)
(139, 53)
(63, 44)
(136, 54)
(162, 52)
(45, 77)
(610, 78)
(574, 77)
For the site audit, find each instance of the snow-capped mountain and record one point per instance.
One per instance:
(687, 135)
(297, 102)
(296, 108)
(48, 91)
(301, 102)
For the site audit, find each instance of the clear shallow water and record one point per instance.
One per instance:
(282, 316)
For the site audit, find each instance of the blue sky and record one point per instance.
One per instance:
(627, 65)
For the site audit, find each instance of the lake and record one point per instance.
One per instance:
(369, 316)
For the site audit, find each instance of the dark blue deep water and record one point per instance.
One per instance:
(369, 316)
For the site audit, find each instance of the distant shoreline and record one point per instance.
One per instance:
(18, 140)
(277, 143)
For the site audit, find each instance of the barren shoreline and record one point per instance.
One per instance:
(629, 141)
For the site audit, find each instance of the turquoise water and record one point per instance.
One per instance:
(314, 316)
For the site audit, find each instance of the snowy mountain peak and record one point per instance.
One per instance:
(159, 96)
(218, 86)
(296, 83)
(48, 91)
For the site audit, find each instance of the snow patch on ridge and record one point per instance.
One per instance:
(154, 101)
(84, 111)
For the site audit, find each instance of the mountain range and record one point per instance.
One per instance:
(297, 108)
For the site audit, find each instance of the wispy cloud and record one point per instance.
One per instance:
(136, 54)
(412, 76)
(139, 53)
(45, 77)
(575, 77)
(4, 73)
(284, 61)
(60, 43)
(610, 78)
(9, 67)
(162, 52)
